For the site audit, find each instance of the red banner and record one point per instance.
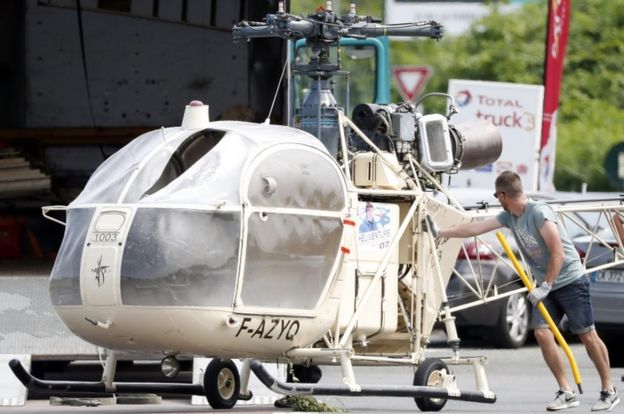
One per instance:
(557, 40)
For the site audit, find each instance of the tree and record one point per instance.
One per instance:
(364, 7)
(509, 47)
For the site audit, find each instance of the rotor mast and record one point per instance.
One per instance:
(318, 114)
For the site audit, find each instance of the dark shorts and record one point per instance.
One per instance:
(572, 300)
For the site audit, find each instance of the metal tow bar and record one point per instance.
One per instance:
(543, 311)
(366, 390)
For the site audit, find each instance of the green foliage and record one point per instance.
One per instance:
(306, 403)
(363, 7)
(510, 47)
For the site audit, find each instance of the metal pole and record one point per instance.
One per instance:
(543, 311)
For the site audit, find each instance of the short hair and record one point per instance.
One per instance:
(509, 182)
(369, 206)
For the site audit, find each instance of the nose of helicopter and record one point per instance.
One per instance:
(177, 270)
(235, 219)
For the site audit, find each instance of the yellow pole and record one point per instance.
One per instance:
(543, 311)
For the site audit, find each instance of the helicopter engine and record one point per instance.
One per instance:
(438, 145)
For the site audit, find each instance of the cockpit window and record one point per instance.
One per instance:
(212, 179)
(113, 177)
(289, 259)
(296, 178)
(148, 164)
(180, 258)
(187, 154)
(65, 277)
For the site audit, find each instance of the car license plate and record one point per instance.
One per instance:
(611, 276)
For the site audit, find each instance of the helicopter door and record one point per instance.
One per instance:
(297, 198)
(99, 272)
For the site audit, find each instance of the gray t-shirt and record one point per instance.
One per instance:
(526, 231)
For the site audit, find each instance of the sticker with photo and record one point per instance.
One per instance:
(374, 225)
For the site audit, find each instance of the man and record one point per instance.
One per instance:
(369, 223)
(563, 288)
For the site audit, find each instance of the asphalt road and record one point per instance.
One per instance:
(519, 378)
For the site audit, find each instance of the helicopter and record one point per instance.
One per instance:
(307, 244)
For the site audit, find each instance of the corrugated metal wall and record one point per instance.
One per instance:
(116, 63)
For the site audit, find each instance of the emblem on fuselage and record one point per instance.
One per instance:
(100, 272)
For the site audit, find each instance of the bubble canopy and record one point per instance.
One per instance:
(261, 204)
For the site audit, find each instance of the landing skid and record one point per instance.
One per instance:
(97, 387)
(78, 387)
(366, 390)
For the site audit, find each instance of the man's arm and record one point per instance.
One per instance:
(619, 227)
(471, 229)
(550, 234)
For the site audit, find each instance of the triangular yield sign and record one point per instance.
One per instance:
(411, 80)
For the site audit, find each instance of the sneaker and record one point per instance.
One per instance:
(563, 400)
(607, 400)
(285, 402)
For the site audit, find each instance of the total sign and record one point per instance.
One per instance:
(516, 110)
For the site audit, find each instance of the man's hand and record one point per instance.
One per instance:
(539, 293)
(429, 224)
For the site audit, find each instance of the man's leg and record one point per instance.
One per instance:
(599, 355)
(552, 356)
(576, 301)
(564, 397)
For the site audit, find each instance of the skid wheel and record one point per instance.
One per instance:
(221, 383)
(429, 374)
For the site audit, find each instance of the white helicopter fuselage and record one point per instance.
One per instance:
(240, 240)
(233, 261)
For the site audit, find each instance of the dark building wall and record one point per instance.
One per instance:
(11, 63)
(116, 63)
